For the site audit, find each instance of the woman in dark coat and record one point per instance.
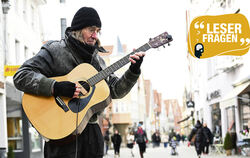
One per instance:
(116, 140)
(141, 139)
(199, 136)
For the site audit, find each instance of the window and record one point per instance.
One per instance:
(25, 10)
(15, 134)
(17, 51)
(230, 112)
(26, 53)
(35, 139)
(216, 119)
(245, 116)
(32, 17)
(16, 4)
(63, 27)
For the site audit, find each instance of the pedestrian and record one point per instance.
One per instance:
(178, 138)
(141, 139)
(130, 142)
(57, 58)
(171, 135)
(173, 145)
(209, 140)
(106, 141)
(165, 139)
(199, 136)
(116, 140)
(183, 138)
(156, 139)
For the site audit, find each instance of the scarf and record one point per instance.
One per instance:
(139, 131)
(83, 50)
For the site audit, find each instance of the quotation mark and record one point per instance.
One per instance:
(197, 25)
(243, 41)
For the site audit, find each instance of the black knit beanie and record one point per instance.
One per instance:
(85, 17)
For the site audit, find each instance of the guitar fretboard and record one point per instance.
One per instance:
(115, 66)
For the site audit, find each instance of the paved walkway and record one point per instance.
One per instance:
(160, 152)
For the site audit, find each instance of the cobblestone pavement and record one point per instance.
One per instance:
(161, 152)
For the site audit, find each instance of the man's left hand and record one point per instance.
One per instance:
(136, 60)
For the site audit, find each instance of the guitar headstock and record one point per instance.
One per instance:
(160, 40)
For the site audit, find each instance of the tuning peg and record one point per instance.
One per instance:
(168, 44)
(150, 39)
(169, 37)
(163, 46)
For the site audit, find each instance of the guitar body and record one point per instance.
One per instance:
(51, 121)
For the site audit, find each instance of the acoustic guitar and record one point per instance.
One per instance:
(58, 117)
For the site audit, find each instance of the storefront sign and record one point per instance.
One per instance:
(10, 70)
(213, 95)
(190, 104)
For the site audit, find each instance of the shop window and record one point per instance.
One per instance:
(245, 116)
(15, 134)
(230, 112)
(216, 119)
(35, 139)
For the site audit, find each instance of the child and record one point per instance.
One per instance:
(173, 145)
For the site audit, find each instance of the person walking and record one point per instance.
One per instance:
(165, 139)
(171, 135)
(141, 139)
(106, 141)
(209, 140)
(156, 139)
(199, 136)
(80, 45)
(116, 140)
(130, 142)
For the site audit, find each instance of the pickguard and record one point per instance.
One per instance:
(78, 104)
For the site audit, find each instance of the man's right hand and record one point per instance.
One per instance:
(64, 88)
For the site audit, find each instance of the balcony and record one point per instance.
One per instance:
(121, 118)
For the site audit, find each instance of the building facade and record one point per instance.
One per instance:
(23, 39)
(223, 101)
(3, 129)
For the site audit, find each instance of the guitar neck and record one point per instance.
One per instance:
(115, 66)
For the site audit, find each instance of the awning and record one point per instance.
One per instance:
(230, 98)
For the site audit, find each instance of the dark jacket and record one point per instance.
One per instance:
(116, 139)
(209, 135)
(200, 135)
(141, 137)
(155, 138)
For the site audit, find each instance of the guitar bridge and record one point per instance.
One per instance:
(61, 103)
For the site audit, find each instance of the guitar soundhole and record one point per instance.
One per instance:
(85, 85)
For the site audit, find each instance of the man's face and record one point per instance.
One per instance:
(90, 35)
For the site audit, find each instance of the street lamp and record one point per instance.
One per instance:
(5, 6)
